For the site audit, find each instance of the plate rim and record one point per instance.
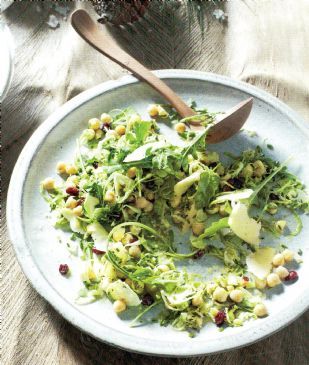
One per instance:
(80, 320)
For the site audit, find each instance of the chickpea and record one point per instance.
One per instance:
(106, 118)
(135, 230)
(109, 196)
(197, 301)
(118, 235)
(260, 310)
(127, 238)
(288, 255)
(149, 207)
(273, 280)
(180, 127)
(247, 171)
(237, 295)
(220, 294)
(71, 169)
(78, 210)
(119, 306)
(73, 179)
(259, 168)
(149, 195)
(120, 130)
(61, 167)
(141, 202)
(135, 251)
(98, 134)
(48, 183)
(131, 173)
(94, 123)
(153, 110)
(282, 272)
(89, 134)
(198, 228)
(213, 311)
(71, 202)
(278, 259)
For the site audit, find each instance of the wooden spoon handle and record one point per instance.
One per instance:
(89, 31)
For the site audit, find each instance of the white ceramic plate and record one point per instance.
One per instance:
(35, 241)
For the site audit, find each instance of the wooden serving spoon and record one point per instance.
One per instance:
(226, 125)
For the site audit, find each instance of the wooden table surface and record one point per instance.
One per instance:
(264, 43)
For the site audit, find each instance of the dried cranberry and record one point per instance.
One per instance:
(219, 318)
(273, 196)
(236, 183)
(292, 276)
(133, 239)
(72, 190)
(212, 165)
(147, 299)
(63, 269)
(95, 164)
(116, 215)
(198, 254)
(226, 188)
(97, 251)
(245, 278)
(150, 185)
(105, 127)
(80, 201)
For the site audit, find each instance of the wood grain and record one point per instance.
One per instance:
(260, 43)
(89, 30)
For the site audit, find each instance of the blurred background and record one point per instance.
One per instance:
(44, 63)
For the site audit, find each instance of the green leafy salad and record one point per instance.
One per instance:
(142, 213)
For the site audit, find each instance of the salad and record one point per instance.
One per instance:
(141, 210)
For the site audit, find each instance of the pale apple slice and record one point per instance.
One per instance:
(259, 263)
(246, 228)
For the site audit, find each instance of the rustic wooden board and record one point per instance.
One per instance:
(264, 43)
